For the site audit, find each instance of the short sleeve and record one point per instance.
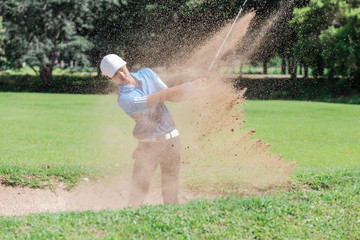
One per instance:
(159, 84)
(132, 105)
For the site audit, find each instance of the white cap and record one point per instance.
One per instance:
(110, 64)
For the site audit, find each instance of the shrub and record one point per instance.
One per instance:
(61, 84)
(320, 89)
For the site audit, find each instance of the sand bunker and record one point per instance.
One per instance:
(110, 192)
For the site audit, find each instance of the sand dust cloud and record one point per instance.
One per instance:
(219, 155)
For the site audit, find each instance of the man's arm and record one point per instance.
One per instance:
(173, 94)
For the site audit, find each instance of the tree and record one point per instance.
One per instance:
(341, 43)
(264, 50)
(41, 31)
(2, 36)
(329, 36)
(308, 23)
(4, 63)
(155, 33)
(2, 46)
(271, 29)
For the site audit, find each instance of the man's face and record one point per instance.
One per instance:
(122, 76)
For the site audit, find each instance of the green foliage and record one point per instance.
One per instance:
(315, 89)
(2, 36)
(70, 83)
(328, 37)
(3, 62)
(308, 23)
(341, 49)
(158, 32)
(301, 213)
(67, 81)
(278, 36)
(43, 33)
(144, 33)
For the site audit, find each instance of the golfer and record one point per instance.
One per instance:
(142, 96)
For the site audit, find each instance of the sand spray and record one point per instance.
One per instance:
(220, 156)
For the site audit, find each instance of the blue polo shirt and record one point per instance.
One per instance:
(150, 122)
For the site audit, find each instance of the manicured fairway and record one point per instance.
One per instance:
(57, 128)
(313, 134)
(73, 134)
(88, 134)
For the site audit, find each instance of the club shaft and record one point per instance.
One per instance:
(227, 35)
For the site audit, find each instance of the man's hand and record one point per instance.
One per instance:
(199, 84)
(197, 89)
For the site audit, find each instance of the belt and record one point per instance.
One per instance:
(174, 133)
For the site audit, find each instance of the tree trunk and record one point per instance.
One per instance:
(293, 69)
(301, 72)
(98, 65)
(289, 66)
(46, 74)
(306, 71)
(98, 70)
(265, 69)
(283, 66)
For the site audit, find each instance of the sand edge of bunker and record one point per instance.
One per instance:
(105, 193)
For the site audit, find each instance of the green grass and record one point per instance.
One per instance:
(83, 135)
(87, 135)
(311, 133)
(326, 208)
(66, 132)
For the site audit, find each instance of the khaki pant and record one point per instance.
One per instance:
(147, 156)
